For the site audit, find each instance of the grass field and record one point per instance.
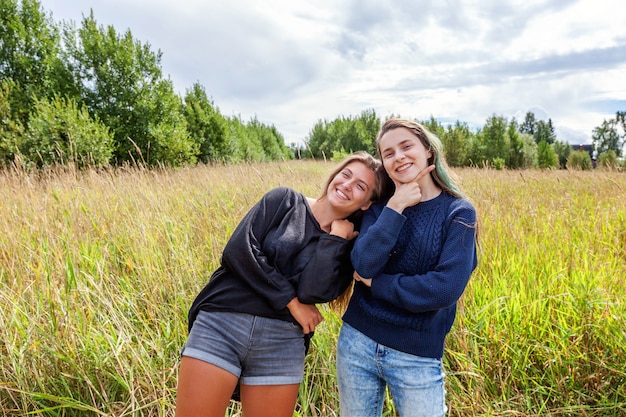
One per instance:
(98, 269)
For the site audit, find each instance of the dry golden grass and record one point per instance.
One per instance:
(98, 269)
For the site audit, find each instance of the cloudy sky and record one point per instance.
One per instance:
(293, 63)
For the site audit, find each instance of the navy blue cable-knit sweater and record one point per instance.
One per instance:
(420, 262)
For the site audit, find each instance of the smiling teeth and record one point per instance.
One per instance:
(403, 167)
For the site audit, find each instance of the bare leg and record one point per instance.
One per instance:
(204, 390)
(269, 400)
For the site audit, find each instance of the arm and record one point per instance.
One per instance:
(445, 283)
(328, 274)
(379, 233)
(243, 253)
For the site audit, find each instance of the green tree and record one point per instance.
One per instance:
(271, 141)
(434, 126)
(491, 142)
(456, 141)
(606, 137)
(11, 129)
(347, 134)
(367, 125)
(356, 133)
(206, 125)
(529, 124)
(344, 134)
(562, 150)
(529, 151)
(276, 145)
(29, 45)
(546, 157)
(61, 132)
(516, 147)
(244, 141)
(620, 117)
(120, 80)
(544, 131)
(320, 143)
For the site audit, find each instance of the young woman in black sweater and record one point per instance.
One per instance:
(250, 325)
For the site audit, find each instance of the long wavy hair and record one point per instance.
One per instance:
(370, 162)
(339, 305)
(441, 174)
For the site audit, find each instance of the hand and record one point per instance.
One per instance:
(366, 281)
(343, 228)
(307, 315)
(408, 194)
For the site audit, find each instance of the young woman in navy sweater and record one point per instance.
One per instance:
(250, 325)
(413, 259)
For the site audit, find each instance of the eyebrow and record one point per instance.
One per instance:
(399, 144)
(360, 180)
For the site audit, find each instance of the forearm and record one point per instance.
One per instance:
(374, 245)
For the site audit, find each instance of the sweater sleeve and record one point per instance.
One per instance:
(379, 229)
(328, 274)
(243, 253)
(443, 285)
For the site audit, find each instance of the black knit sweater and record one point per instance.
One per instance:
(277, 252)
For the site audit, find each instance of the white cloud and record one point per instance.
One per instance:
(294, 63)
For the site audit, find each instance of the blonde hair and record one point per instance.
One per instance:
(441, 174)
(341, 303)
(366, 159)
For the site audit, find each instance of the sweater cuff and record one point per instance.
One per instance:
(390, 219)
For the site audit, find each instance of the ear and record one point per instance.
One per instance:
(365, 207)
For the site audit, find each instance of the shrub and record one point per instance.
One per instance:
(60, 132)
(579, 160)
(608, 160)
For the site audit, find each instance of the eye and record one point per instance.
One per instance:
(361, 187)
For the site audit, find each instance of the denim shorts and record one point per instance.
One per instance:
(258, 350)
(365, 368)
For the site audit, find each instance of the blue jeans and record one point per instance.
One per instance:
(365, 368)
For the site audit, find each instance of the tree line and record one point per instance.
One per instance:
(500, 143)
(90, 96)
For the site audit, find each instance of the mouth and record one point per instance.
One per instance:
(341, 194)
(403, 168)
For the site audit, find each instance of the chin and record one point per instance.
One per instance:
(406, 176)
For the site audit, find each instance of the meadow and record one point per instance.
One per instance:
(98, 269)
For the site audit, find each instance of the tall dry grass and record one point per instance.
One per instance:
(98, 269)
(541, 331)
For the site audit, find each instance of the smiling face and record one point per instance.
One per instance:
(403, 154)
(351, 189)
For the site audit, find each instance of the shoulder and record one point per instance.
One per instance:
(282, 196)
(377, 207)
(282, 193)
(460, 208)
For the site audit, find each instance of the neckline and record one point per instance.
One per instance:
(309, 210)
